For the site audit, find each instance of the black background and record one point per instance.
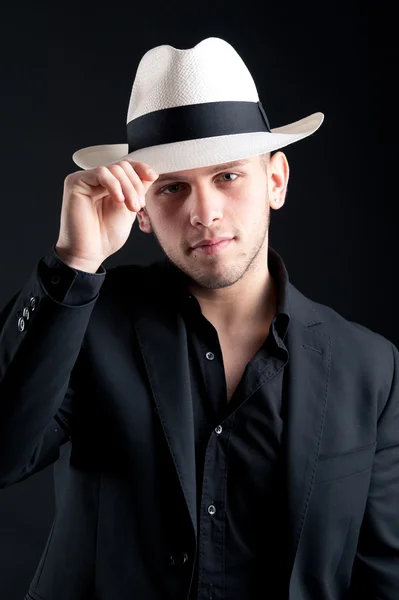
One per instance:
(66, 76)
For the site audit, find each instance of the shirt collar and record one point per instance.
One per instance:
(278, 272)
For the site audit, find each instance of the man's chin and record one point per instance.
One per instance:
(213, 278)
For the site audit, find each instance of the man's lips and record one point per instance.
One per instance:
(213, 248)
(211, 241)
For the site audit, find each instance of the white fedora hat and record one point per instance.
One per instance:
(195, 108)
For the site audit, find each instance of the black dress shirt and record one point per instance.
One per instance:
(241, 534)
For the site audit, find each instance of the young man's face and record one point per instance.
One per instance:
(230, 201)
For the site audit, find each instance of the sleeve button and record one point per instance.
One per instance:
(179, 559)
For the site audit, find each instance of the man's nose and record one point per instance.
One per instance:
(206, 206)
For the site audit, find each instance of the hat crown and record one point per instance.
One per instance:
(211, 71)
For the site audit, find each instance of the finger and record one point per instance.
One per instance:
(130, 193)
(144, 170)
(134, 178)
(146, 174)
(105, 178)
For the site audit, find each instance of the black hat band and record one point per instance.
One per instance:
(196, 121)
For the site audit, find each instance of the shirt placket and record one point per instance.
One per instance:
(212, 516)
(211, 526)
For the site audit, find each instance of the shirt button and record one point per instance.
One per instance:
(219, 429)
(210, 355)
(211, 509)
(21, 324)
(25, 313)
(55, 279)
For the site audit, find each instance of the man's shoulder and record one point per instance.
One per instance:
(342, 327)
(144, 269)
(143, 277)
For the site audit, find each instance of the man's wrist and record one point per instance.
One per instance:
(77, 263)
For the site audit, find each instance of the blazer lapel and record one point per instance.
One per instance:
(162, 338)
(307, 392)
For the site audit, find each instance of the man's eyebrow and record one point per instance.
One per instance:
(213, 169)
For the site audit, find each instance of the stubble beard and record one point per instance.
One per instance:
(220, 275)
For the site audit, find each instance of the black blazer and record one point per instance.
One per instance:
(103, 389)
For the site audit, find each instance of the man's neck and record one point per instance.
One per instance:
(234, 312)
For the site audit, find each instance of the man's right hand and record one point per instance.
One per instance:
(99, 207)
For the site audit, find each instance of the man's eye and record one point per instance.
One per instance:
(164, 190)
(230, 174)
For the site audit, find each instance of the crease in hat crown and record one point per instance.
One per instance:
(211, 71)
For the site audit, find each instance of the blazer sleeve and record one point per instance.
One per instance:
(375, 574)
(68, 285)
(42, 329)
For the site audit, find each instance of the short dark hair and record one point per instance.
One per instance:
(265, 157)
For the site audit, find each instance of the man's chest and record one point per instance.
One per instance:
(234, 370)
(237, 352)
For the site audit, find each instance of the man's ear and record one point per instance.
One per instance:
(278, 172)
(144, 221)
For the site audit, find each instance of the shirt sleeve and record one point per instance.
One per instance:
(66, 284)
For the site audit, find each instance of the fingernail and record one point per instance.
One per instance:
(142, 200)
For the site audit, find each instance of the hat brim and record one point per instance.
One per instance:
(192, 154)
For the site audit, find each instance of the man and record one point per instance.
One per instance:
(222, 436)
